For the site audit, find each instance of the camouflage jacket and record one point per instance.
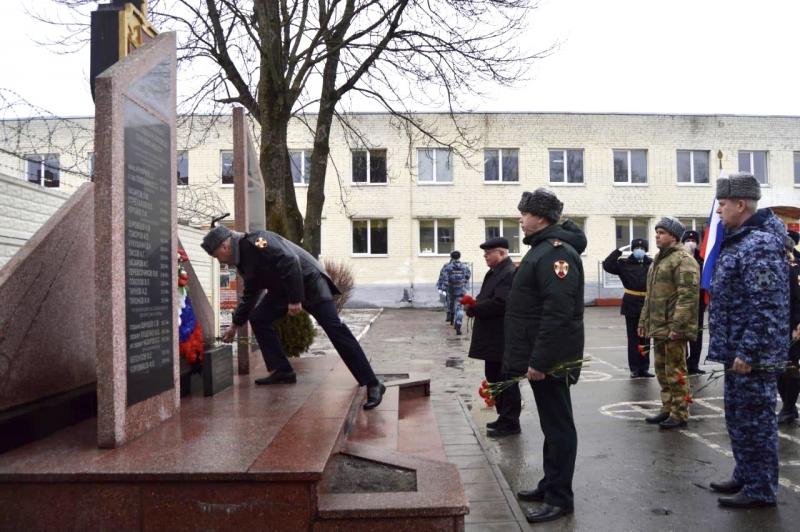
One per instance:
(673, 286)
(454, 277)
(749, 312)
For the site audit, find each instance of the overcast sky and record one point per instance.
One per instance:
(678, 56)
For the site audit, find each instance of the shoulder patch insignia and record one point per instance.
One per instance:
(557, 243)
(561, 268)
(261, 242)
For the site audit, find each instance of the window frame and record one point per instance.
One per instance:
(694, 223)
(177, 165)
(752, 164)
(41, 160)
(500, 180)
(435, 181)
(222, 168)
(692, 182)
(565, 167)
(629, 182)
(435, 252)
(631, 236)
(304, 172)
(501, 219)
(796, 162)
(369, 181)
(369, 252)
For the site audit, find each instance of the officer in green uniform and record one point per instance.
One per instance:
(544, 340)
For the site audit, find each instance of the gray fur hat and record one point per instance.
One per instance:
(672, 226)
(741, 185)
(215, 238)
(541, 202)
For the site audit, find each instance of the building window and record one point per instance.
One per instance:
(501, 165)
(695, 224)
(90, 163)
(369, 166)
(692, 166)
(630, 166)
(797, 168)
(43, 169)
(183, 168)
(629, 228)
(754, 162)
(436, 237)
(566, 166)
(226, 167)
(301, 166)
(435, 165)
(370, 237)
(507, 227)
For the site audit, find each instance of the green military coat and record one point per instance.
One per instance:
(544, 310)
(673, 288)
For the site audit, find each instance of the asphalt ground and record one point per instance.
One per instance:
(629, 475)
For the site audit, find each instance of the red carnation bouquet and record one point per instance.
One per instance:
(467, 300)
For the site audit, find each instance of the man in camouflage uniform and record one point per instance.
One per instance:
(749, 333)
(544, 341)
(453, 278)
(669, 317)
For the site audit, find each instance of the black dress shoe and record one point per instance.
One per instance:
(696, 371)
(646, 374)
(500, 431)
(740, 500)
(658, 418)
(726, 486)
(546, 513)
(492, 424)
(279, 377)
(672, 423)
(374, 395)
(534, 495)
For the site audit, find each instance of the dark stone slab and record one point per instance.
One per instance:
(217, 369)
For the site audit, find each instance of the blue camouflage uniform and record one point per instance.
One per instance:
(749, 319)
(453, 278)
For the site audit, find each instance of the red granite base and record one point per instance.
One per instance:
(247, 458)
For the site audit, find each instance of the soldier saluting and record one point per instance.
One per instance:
(294, 280)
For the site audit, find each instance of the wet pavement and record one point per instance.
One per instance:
(629, 475)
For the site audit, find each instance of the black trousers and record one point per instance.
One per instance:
(636, 362)
(788, 389)
(509, 403)
(270, 309)
(696, 347)
(560, 440)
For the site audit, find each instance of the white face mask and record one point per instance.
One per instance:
(691, 245)
(638, 253)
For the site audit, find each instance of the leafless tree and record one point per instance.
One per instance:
(281, 59)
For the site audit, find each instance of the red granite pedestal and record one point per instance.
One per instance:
(248, 458)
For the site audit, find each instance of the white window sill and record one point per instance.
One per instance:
(363, 184)
(561, 184)
(301, 185)
(631, 184)
(435, 255)
(500, 182)
(435, 183)
(226, 185)
(368, 255)
(693, 184)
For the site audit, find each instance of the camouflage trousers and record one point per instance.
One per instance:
(753, 429)
(454, 307)
(670, 366)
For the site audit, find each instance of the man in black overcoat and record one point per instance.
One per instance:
(487, 333)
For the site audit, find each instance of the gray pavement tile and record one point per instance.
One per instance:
(469, 462)
(489, 512)
(509, 526)
(463, 450)
(484, 491)
(469, 476)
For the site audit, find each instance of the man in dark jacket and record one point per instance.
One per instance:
(294, 280)
(632, 271)
(789, 380)
(487, 333)
(544, 341)
(691, 240)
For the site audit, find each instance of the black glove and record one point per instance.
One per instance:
(469, 310)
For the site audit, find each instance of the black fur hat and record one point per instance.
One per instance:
(541, 202)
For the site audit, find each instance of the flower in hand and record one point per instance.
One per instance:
(467, 300)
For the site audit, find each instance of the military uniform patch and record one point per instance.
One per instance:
(261, 242)
(561, 267)
(557, 243)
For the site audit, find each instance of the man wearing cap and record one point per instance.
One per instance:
(690, 240)
(669, 317)
(748, 320)
(487, 333)
(294, 280)
(453, 278)
(544, 341)
(632, 271)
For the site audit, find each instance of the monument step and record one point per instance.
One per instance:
(378, 427)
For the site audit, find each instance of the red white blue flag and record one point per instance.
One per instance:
(712, 241)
